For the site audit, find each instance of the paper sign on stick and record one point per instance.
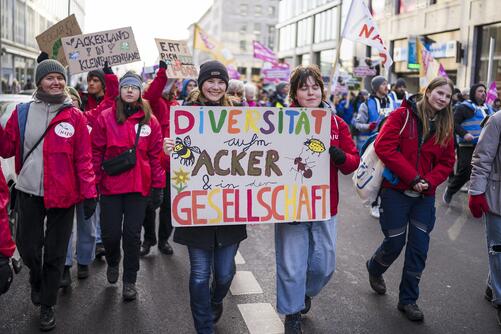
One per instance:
(245, 165)
(178, 58)
(50, 40)
(90, 51)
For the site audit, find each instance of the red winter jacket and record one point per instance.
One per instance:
(161, 108)
(7, 246)
(340, 137)
(107, 102)
(399, 153)
(68, 177)
(109, 139)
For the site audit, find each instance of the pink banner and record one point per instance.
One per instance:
(264, 53)
(492, 93)
(232, 72)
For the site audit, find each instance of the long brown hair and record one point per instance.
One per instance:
(299, 77)
(444, 118)
(141, 104)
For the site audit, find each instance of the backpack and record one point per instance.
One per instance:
(368, 177)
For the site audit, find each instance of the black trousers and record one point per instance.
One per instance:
(121, 219)
(164, 220)
(44, 275)
(463, 169)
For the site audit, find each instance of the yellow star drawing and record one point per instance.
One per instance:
(181, 177)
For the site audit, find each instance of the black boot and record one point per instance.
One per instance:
(145, 248)
(488, 293)
(293, 323)
(83, 271)
(66, 279)
(129, 292)
(377, 282)
(112, 274)
(307, 305)
(100, 251)
(47, 318)
(35, 295)
(412, 311)
(217, 311)
(165, 248)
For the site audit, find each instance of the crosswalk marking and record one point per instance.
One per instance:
(244, 283)
(261, 318)
(239, 259)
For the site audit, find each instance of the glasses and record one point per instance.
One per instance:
(127, 87)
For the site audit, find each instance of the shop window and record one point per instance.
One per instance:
(485, 34)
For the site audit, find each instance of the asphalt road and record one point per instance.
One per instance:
(452, 286)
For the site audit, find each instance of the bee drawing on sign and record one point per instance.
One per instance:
(184, 151)
(315, 146)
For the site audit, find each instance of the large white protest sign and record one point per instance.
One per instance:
(178, 58)
(89, 51)
(244, 165)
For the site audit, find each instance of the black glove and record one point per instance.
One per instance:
(337, 155)
(162, 64)
(43, 56)
(156, 196)
(107, 69)
(6, 275)
(89, 207)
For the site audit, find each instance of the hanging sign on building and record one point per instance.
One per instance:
(50, 40)
(364, 71)
(178, 57)
(89, 51)
(244, 165)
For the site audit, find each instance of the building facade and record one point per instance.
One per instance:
(236, 24)
(457, 32)
(21, 22)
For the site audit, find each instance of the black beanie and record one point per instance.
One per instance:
(473, 90)
(98, 74)
(212, 69)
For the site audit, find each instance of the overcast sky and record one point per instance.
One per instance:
(149, 19)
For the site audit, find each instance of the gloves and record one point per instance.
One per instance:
(107, 69)
(372, 125)
(162, 64)
(89, 207)
(337, 155)
(156, 195)
(6, 275)
(42, 56)
(478, 205)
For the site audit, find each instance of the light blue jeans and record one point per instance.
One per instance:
(86, 238)
(306, 260)
(493, 233)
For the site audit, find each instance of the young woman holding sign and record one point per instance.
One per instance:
(305, 251)
(126, 147)
(210, 248)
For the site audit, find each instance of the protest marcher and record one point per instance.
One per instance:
(7, 246)
(496, 105)
(128, 128)
(161, 94)
(188, 86)
(211, 249)
(236, 92)
(485, 199)
(416, 144)
(29, 85)
(306, 251)
(370, 115)
(53, 163)
(398, 94)
(468, 117)
(457, 97)
(344, 108)
(279, 98)
(250, 91)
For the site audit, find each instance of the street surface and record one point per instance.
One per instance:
(452, 286)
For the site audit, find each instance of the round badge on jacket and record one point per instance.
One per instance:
(64, 130)
(145, 130)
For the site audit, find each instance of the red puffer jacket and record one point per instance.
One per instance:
(400, 154)
(7, 246)
(108, 101)
(109, 139)
(68, 177)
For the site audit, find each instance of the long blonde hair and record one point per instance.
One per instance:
(444, 118)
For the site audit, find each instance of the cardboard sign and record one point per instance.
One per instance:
(245, 165)
(364, 71)
(50, 40)
(178, 58)
(89, 52)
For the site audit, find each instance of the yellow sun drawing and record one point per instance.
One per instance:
(180, 179)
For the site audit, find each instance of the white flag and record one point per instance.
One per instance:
(360, 27)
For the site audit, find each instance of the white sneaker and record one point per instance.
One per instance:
(375, 211)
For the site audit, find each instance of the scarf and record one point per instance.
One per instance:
(50, 98)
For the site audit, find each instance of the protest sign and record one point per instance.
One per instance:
(89, 52)
(364, 71)
(178, 58)
(50, 40)
(245, 165)
(275, 75)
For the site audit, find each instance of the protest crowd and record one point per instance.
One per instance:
(103, 159)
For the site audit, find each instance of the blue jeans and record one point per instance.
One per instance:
(493, 233)
(404, 218)
(305, 259)
(86, 238)
(203, 262)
